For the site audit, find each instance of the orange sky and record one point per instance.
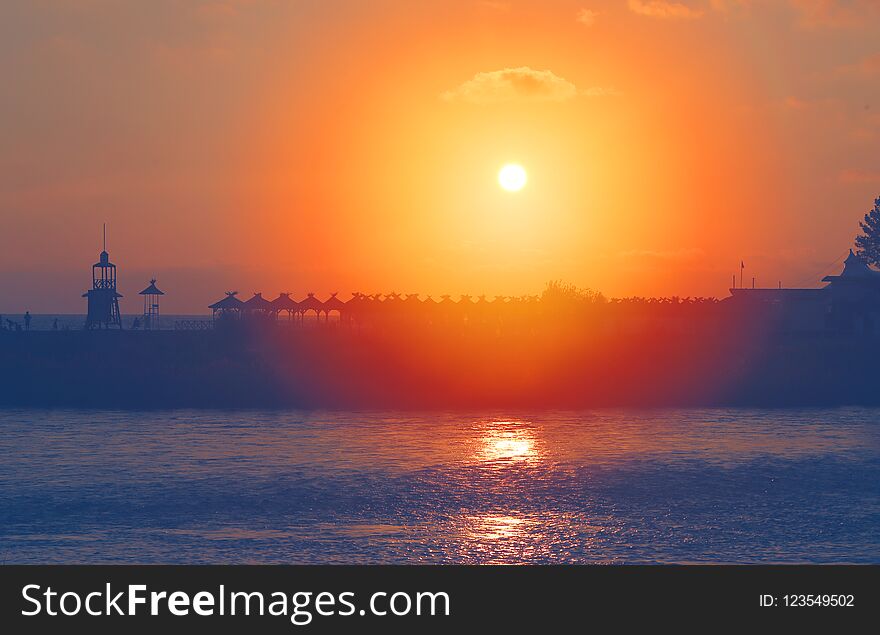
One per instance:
(264, 145)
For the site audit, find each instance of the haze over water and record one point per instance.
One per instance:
(624, 486)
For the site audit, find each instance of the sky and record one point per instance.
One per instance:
(341, 146)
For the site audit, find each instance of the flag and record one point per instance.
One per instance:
(742, 265)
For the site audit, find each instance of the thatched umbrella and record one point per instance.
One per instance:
(228, 307)
(285, 303)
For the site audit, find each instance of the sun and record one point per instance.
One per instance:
(512, 177)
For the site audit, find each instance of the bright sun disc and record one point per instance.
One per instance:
(512, 177)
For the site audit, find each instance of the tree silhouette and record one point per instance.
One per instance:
(559, 291)
(868, 243)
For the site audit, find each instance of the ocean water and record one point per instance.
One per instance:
(666, 486)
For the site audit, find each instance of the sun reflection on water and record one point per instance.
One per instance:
(506, 443)
(508, 450)
(496, 527)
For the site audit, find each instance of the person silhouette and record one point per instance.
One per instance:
(27, 320)
(136, 324)
(55, 324)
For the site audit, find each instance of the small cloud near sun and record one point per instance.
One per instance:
(587, 17)
(664, 10)
(859, 176)
(511, 84)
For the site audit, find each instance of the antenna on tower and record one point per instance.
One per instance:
(105, 237)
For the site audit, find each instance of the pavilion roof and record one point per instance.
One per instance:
(854, 267)
(152, 289)
(311, 303)
(229, 302)
(333, 303)
(257, 303)
(284, 302)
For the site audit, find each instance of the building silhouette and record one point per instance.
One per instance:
(848, 303)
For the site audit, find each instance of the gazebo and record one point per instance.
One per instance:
(227, 308)
(285, 303)
(333, 304)
(311, 303)
(258, 306)
(151, 306)
(359, 308)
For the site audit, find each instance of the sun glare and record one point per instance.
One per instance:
(508, 442)
(512, 177)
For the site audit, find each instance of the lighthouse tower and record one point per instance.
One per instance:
(102, 297)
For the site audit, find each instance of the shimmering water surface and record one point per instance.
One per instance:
(670, 486)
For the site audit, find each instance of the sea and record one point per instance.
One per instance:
(283, 486)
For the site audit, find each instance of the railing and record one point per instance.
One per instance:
(193, 325)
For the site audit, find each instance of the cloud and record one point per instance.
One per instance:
(587, 17)
(664, 10)
(866, 67)
(727, 6)
(795, 103)
(813, 14)
(835, 13)
(513, 84)
(859, 176)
